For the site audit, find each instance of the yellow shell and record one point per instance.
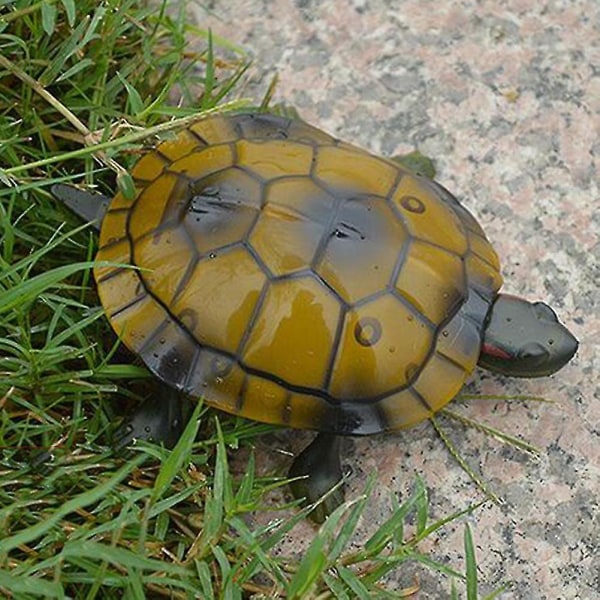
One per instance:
(291, 278)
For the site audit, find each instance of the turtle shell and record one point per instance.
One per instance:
(291, 278)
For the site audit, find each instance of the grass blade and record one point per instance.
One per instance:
(471, 564)
(178, 456)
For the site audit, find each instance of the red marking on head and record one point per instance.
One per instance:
(495, 351)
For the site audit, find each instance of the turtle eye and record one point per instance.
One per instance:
(544, 313)
(533, 353)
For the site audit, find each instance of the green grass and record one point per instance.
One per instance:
(84, 88)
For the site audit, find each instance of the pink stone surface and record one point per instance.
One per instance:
(505, 96)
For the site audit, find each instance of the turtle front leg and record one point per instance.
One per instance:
(319, 464)
(161, 419)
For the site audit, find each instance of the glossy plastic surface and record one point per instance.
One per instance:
(291, 278)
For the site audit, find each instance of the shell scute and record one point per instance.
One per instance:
(371, 358)
(426, 217)
(433, 280)
(230, 283)
(276, 158)
(352, 172)
(221, 209)
(286, 351)
(362, 232)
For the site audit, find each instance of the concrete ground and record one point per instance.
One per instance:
(505, 95)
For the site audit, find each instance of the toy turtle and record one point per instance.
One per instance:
(291, 278)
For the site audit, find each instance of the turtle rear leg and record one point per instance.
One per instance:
(319, 464)
(161, 419)
(90, 206)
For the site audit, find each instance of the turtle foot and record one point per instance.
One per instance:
(161, 419)
(319, 466)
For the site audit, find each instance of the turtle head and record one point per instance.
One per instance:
(525, 339)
